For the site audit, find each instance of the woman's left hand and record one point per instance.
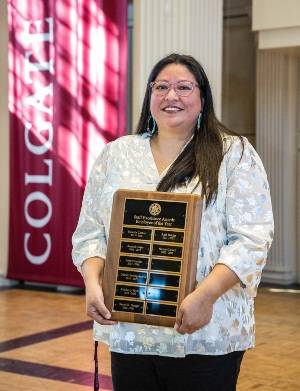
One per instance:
(196, 309)
(194, 312)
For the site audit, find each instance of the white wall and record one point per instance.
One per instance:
(277, 23)
(4, 139)
(274, 14)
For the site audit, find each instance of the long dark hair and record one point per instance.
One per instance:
(203, 155)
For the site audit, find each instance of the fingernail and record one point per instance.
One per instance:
(107, 316)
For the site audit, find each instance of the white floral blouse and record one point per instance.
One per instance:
(236, 230)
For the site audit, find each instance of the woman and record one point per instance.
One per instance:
(180, 146)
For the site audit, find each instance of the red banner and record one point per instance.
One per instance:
(67, 90)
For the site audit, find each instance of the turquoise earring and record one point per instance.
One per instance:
(153, 130)
(199, 121)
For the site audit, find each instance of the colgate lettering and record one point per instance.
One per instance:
(38, 136)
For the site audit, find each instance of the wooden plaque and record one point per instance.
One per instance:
(152, 255)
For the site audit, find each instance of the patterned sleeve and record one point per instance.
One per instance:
(249, 216)
(89, 239)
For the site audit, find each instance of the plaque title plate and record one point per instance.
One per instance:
(152, 255)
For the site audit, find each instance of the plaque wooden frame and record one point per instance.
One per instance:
(151, 233)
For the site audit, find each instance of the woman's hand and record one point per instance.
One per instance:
(92, 270)
(95, 307)
(196, 309)
(194, 312)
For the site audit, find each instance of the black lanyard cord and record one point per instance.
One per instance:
(96, 374)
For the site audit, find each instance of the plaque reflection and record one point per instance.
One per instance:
(164, 280)
(162, 294)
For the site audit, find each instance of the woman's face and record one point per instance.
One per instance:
(172, 111)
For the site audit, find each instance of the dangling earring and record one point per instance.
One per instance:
(153, 130)
(199, 121)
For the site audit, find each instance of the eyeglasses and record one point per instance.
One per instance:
(182, 87)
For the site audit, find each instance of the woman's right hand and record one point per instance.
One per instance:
(92, 269)
(95, 307)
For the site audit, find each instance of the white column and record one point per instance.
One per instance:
(4, 142)
(189, 27)
(276, 123)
